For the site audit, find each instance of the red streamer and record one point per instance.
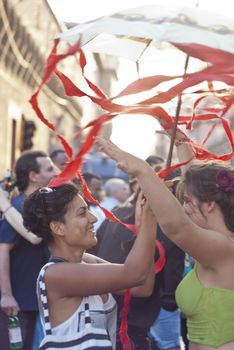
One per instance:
(123, 331)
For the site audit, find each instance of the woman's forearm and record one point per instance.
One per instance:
(141, 256)
(15, 220)
(167, 209)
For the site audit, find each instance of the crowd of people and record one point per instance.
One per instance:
(66, 270)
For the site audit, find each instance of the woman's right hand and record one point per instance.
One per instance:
(9, 305)
(125, 161)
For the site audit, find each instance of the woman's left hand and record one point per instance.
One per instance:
(144, 217)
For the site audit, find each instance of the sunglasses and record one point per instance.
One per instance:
(43, 191)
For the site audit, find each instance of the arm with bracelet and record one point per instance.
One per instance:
(15, 219)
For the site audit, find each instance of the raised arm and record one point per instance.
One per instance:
(145, 222)
(207, 246)
(15, 219)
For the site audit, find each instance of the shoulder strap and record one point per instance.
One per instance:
(87, 313)
(43, 298)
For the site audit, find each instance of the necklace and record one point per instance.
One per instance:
(57, 259)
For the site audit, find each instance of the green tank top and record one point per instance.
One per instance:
(209, 311)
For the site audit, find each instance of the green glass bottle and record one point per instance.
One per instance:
(14, 331)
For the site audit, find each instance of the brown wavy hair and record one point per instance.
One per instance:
(200, 181)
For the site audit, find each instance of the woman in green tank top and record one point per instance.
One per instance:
(204, 228)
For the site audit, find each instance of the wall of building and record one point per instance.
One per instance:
(26, 30)
(24, 45)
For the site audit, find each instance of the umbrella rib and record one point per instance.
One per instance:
(149, 42)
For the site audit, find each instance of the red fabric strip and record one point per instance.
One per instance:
(206, 53)
(123, 331)
(144, 84)
(165, 120)
(208, 134)
(51, 63)
(92, 86)
(159, 265)
(70, 170)
(158, 112)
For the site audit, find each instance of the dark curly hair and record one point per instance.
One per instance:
(200, 181)
(42, 208)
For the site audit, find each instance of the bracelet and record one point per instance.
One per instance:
(4, 212)
(179, 142)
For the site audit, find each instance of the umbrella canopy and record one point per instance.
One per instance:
(132, 33)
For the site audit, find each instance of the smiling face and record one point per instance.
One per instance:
(78, 227)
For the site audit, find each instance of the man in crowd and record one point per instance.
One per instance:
(20, 261)
(59, 158)
(94, 184)
(116, 192)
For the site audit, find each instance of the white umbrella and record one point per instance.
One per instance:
(131, 33)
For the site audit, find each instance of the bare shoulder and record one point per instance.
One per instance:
(210, 248)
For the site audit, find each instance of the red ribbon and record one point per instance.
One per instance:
(123, 330)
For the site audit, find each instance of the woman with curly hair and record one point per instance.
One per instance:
(74, 279)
